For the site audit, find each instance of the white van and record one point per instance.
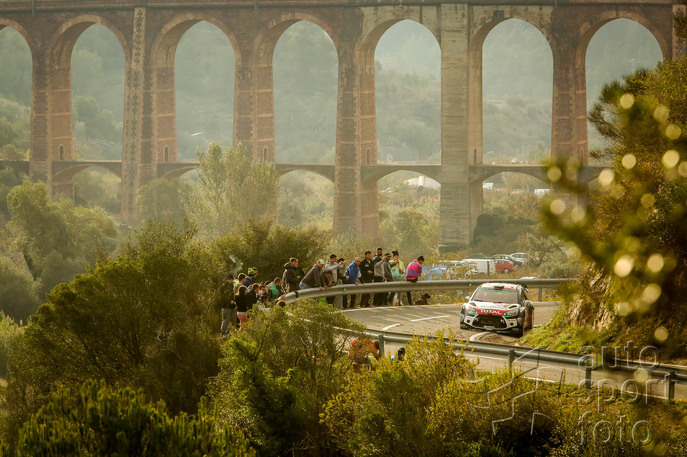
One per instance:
(487, 266)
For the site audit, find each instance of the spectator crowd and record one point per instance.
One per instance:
(240, 294)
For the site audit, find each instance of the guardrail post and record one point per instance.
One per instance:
(588, 376)
(540, 294)
(381, 345)
(671, 388)
(511, 358)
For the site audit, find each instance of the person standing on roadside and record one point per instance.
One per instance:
(367, 277)
(383, 274)
(242, 305)
(379, 298)
(291, 277)
(413, 273)
(239, 282)
(332, 266)
(398, 271)
(351, 278)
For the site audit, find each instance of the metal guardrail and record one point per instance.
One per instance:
(403, 286)
(671, 374)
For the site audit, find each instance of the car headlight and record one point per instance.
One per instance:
(512, 312)
(470, 310)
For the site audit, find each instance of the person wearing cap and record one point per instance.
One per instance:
(413, 273)
(251, 277)
(229, 317)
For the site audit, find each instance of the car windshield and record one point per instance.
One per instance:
(496, 296)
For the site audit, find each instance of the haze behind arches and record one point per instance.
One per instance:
(408, 94)
(617, 49)
(517, 88)
(15, 91)
(204, 73)
(97, 74)
(305, 71)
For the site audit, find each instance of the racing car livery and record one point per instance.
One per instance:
(498, 307)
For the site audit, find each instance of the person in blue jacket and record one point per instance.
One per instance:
(351, 278)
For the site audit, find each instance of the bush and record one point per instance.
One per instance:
(145, 319)
(18, 297)
(100, 420)
(9, 330)
(276, 375)
(268, 247)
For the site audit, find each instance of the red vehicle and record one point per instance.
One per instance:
(504, 266)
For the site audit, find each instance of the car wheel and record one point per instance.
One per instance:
(519, 330)
(464, 327)
(506, 270)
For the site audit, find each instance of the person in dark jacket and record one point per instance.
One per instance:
(367, 276)
(242, 305)
(350, 277)
(292, 276)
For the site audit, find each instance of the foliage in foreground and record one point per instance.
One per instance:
(145, 320)
(102, 420)
(633, 232)
(276, 375)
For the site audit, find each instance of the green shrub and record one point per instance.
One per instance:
(277, 374)
(9, 330)
(100, 420)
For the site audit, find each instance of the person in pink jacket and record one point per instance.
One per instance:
(413, 273)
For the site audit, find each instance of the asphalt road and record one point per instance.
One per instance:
(428, 319)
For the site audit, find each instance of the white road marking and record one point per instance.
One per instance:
(428, 318)
(390, 326)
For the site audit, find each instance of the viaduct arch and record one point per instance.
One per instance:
(150, 30)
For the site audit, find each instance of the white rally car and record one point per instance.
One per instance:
(498, 307)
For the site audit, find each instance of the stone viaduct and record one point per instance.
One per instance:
(149, 32)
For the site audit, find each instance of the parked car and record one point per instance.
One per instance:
(498, 307)
(504, 266)
(516, 262)
(521, 256)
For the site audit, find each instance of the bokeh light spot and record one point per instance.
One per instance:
(629, 161)
(655, 263)
(671, 158)
(557, 207)
(673, 132)
(554, 174)
(651, 293)
(627, 100)
(661, 334)
(623, 266)
(606, 177)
